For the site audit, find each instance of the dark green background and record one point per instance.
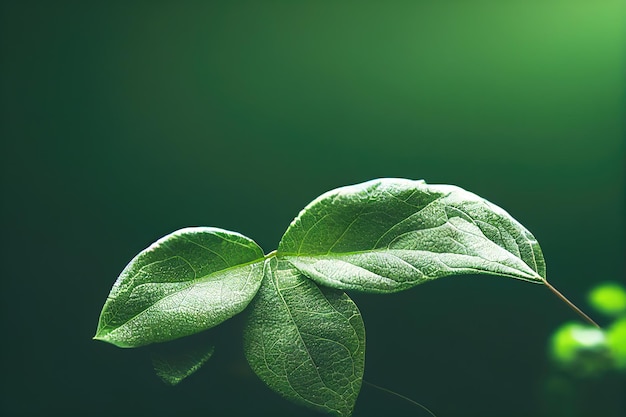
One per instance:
(126, 121)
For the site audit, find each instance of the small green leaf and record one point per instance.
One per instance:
(388, 235)
(306, 342)
(174, 363)
(186, 282)
(175, 360)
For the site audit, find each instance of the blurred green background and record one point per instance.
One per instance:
(124, 121)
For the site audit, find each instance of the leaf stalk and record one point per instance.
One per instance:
(571, 305)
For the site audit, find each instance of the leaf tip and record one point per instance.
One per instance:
(106, 337)
(101, 336)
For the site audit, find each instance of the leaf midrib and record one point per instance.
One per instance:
(337, 256)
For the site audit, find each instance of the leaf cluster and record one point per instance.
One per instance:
(304, 337)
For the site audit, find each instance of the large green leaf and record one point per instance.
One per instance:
(186, 282)
(388, 235)
(306, 342)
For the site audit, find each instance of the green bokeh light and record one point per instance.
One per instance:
(572, 338)
(581, 350)
(609, 298)
(616, 341)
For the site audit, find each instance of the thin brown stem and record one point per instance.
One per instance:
(571, 305)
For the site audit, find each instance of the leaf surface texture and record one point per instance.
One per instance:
(306, 342)
(389, 234)
(186, 282)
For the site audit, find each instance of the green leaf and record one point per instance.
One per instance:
(388, 235)
(173, 364)
(306, 342)
(186, 282)
(175, 360)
